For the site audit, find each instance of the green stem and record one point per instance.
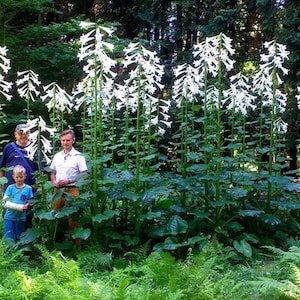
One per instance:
(205, 135)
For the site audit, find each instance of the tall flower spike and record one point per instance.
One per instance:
(5, 86)
(39, 137)
(238, 97)
(144, 79)
(187, 84)
(28, 84)
(280, 127)
(298, 97)
(268, 75)
(57, 98)
(93, 48)
(98, 65)
(213, 50)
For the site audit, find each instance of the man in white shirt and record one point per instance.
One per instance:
(66, 167)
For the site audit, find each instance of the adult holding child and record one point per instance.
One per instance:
(66, 168)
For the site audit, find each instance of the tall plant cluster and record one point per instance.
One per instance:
(170, 170)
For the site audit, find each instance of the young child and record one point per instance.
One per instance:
(16, 203)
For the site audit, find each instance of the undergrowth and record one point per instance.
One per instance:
(93, 274)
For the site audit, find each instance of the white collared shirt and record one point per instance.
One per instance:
(68, 166)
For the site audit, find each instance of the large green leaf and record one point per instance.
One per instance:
(194, 240)
(270, 219)
(150, 215)
(171, 243)
(81, 233)
(250, 212)
(107, 215)
(158, 231)
(131, 196)
(237, 193)
(29, 236)
(243, 247)
(234, 226)
(286, 205)
(47, 215)
(65, 211)
(177, 225)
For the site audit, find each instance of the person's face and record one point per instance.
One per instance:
(19, 177)
(67, 141)
(22, 137)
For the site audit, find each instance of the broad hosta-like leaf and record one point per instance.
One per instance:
(150, 215)
(177, 225)
(243, 247)
(250, 213)
(29, 236)
(270, 219)
(108, 214)
(81, 233)
(171, 243)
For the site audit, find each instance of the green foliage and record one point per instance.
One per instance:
(92, 260)
(93, 274)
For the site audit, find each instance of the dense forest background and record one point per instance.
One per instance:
(42, 35)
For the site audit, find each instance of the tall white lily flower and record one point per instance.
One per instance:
(98, 66)
(82, 94)
(93, 48)
(277, 54)
(28, 83)
(280, 127)
(39, 137)
(144, 80)
(121, 95)
(239, 97)
(57, 98)
(298, 97)
(213, 50)
(212, 98)
(5, 86)
(211, 57)
(268, 79)
(187, 84)
(4, 61)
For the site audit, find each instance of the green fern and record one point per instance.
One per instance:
(283, 280)
(93, 260)
(140, 253)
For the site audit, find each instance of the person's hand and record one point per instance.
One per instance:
(26, 206)
(55, 184)
(63, 182)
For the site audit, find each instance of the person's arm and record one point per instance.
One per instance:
(14, 206)
(60, 183)
(53, 178)
(1, 186)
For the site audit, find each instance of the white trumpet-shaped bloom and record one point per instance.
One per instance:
(267, 80)
(280, 127)
(213, 51)
(187, 84)
(39, 138)
(298, 97)
(143, 82)
(239, 97)
(5, 86)
(98, 66)
(57, 98)
(27, 85)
